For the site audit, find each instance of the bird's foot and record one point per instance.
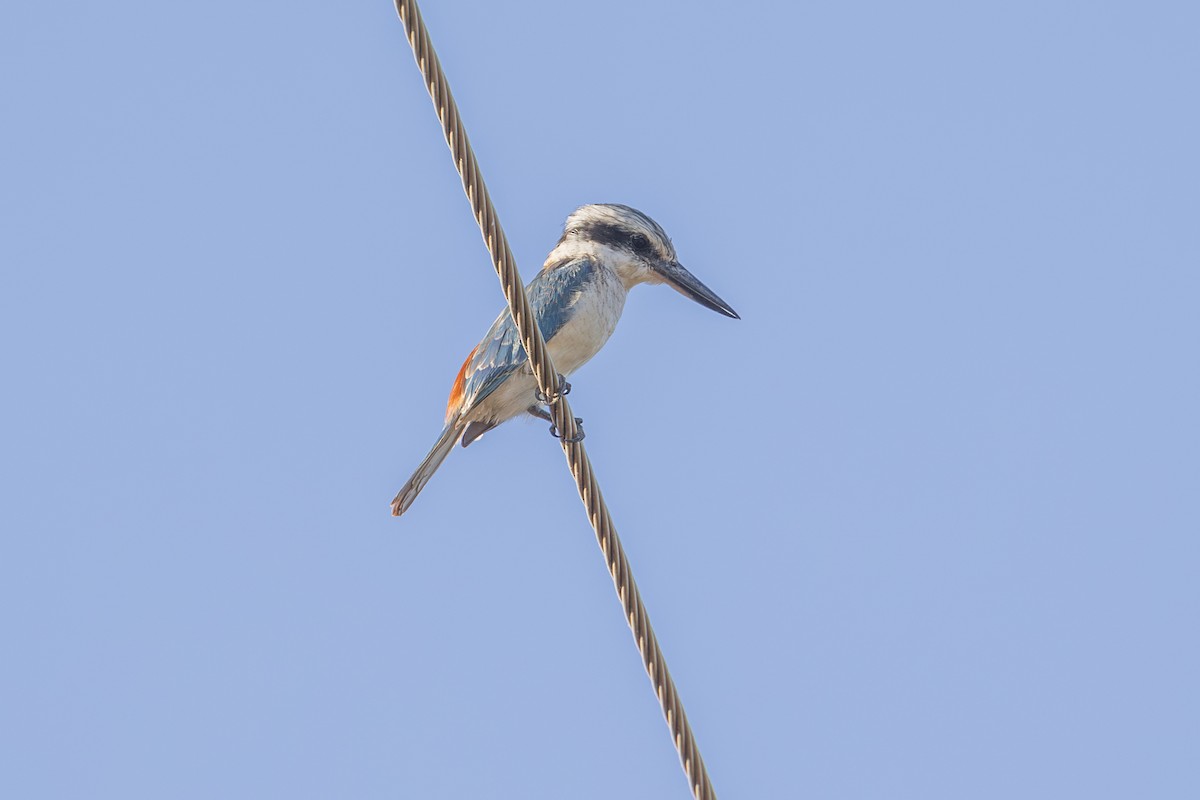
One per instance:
(563, 390)
(578, 437)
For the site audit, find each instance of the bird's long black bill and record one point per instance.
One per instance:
(689, 285)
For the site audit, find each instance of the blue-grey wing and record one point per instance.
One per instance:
(552, 295)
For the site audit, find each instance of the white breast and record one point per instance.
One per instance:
(594, 319)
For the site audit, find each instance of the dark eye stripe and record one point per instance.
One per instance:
(605, 233)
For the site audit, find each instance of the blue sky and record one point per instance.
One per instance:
(925, 523)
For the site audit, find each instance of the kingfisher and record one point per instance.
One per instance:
(605, 250)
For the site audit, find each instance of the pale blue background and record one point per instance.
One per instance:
(924, 524)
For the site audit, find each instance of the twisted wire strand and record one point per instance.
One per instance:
(547, 379)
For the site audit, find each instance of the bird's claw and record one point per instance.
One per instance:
(578, 437)
(564, 389)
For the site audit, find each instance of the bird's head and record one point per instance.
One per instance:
(635, 247)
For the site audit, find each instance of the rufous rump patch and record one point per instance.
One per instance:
(456, 393)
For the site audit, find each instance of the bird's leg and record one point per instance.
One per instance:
(540, 413)
(563, 390)
(578, 437)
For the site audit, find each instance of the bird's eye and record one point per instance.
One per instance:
(639, 242)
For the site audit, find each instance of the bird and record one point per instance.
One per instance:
(577, 298)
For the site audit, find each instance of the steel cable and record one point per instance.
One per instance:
(564, 421)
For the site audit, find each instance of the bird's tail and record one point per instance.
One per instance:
(441, 449)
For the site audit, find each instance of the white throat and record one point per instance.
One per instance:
(626, 266)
